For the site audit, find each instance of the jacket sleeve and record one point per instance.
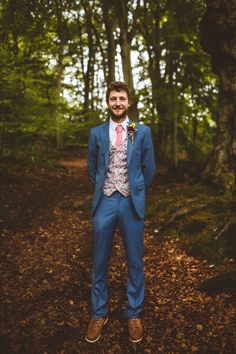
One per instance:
(92, 157)
(148, 160)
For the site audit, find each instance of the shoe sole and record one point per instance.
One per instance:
(95, 340)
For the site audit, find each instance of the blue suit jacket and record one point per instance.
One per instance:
(140, 161)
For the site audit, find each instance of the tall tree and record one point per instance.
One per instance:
(111, 47)
(127, 32)
(60, 30)
(89, 73)
(150, 30)
(218, 37)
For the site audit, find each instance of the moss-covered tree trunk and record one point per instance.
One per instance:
(218, 37)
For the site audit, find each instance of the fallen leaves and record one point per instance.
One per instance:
(46, 275)
(194, 349)
(199, 327)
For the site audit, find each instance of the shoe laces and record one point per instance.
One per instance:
(134, 322)
(97, 323)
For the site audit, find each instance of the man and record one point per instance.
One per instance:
(121, 166)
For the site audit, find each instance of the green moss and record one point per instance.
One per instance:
(207, 247)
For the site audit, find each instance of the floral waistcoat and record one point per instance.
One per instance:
(117, 174)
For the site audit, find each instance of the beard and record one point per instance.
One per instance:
(118, 116)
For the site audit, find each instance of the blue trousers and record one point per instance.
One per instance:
(109, 212)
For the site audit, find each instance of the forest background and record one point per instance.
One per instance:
(57, 58)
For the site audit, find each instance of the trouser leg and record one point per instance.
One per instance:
(132, 232)
(104, 225)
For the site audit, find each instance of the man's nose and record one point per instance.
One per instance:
(118, 101)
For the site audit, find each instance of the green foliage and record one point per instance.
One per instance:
(44, 77)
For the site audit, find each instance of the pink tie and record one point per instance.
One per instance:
(118, 135)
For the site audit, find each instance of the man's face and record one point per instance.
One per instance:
(118, 104)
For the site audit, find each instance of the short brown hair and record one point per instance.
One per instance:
(118, 86)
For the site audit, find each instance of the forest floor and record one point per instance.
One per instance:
(46, 261)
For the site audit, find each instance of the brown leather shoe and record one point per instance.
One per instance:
(135, 329)
(95, 329)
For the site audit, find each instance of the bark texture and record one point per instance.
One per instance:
(111, 47)
(125, 40)
(89, 74)
(151, 33)
(218, 38)
(60, 71)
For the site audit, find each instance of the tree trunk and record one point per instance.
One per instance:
(125, 44)
(195, 127)
(150, 29)
(89, 74)
(2, 144)
(218, 37)
(58, 90)
(156, 56)
(173, 114)
(110, 77)
(162, 139)
(104, 54)
(174, 130)
(60, 69)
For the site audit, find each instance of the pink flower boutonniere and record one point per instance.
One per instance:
(132, 128)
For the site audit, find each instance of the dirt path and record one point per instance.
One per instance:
(46, 267)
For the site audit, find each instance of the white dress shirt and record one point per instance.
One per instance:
(112, 130)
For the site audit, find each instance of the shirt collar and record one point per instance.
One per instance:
(124, 124)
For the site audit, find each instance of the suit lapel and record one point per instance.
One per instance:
(130, 148)
(105, 140)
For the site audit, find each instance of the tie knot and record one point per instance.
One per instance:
(119, 128)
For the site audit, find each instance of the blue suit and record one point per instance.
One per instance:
(128, 211)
